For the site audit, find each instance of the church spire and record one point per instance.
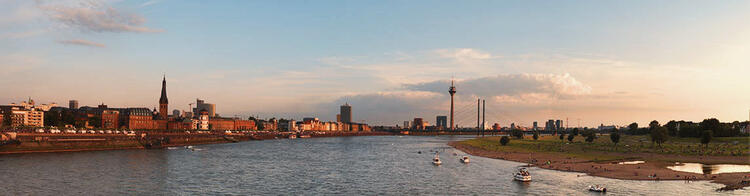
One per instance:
(163, 98)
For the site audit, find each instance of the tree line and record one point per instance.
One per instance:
(691, 129)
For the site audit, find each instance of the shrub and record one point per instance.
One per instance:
(504, 140)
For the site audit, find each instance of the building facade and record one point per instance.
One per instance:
(441, 122)
(418, 124)
(346, 113)
(73, 104)
(202, 105)
(110, 119)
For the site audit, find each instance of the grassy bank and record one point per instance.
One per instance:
(732, 149)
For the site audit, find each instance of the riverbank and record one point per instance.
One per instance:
(606, 164)
(62, 142)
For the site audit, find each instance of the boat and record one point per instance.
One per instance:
(188, 147)
(293, 136)
(436, 160)
(464, 159)
(597, 188)
(522, 175)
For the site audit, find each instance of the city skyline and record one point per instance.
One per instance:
(607, 65)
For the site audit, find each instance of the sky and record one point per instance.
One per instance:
(585, 62)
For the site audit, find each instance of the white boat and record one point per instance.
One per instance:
(189, 147)
(464, 159)
(597, 188)
(522, 175)
(292, 136)
(436, 160)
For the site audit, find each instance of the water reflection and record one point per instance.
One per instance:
(709, 169)
(631, 162)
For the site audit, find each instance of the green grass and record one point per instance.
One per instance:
(597, 150)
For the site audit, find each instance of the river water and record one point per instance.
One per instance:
(377, 165)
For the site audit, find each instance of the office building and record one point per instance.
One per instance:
(73, 104)
(346, 113)
(441, 122)
(202, 105)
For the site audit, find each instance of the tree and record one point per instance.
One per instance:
(575, 132)
(672, 128)
(504, 140)
(590, 137)
(653, 124)
(712, 124)
(536, 135)
(706, 137)
(615, 137)
(633, 127)
(562, 136)
(659, 135)
(517, 133)
(570, 137)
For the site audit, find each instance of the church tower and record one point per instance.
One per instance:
(163, 103)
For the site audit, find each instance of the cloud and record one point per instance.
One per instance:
(464, 55)
(148, 3)
(98, 17)
(526, 84)
(83, 43)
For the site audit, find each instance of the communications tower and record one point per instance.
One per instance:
(452, 91)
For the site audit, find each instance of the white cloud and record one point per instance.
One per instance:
(511, 85)
(82, 43)
(148, 3)
(464, 54)
(97, 17)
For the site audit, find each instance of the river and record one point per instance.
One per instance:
(372, 165)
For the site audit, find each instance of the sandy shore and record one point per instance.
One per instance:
(651, 170)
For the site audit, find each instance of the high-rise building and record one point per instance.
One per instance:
(163, 102)
(558, 124)
(536, 127)
(550, 125)
(346, 113)
(202, 105)
(452, 91)
(73, 104)
(407, 125)
(441, 122)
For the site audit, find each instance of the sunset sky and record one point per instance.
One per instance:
(597, 62)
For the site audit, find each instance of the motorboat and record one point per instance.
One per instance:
(189, 147)
(597, 188)
(522, 175)
(293, 136)
(436, 160)
(464, 159)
